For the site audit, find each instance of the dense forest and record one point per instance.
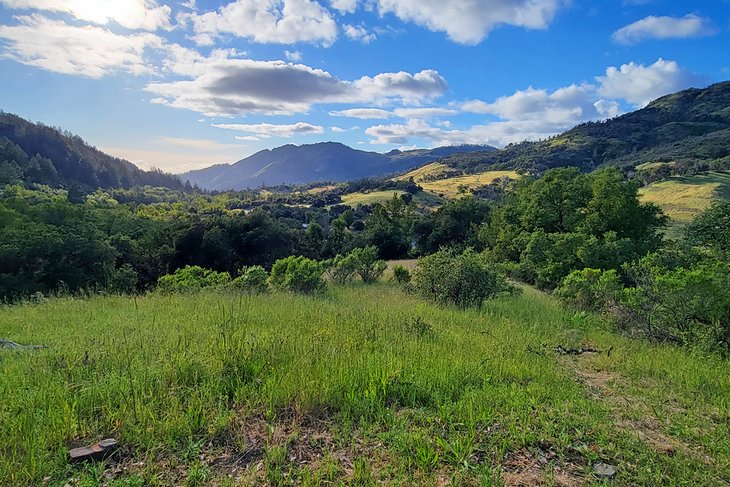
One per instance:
(36, 153)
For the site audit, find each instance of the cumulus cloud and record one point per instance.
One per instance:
(337, 130)
(267, 21)
(359, 33)
(470, 21)
(221, 86)
(562, 107)
(131, 14)
(267, 130)
(534, 114)
(425, 85)
(652, 27)
(344, 6)
(496, 133)
(639, 84)
(87, 51)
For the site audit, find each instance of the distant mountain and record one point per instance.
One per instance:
(36, 153)
(689, 126)
(326, 161)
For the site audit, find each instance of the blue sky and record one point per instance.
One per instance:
(183, 85)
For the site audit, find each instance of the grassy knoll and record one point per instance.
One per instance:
(359, 386)
(683, 198)
(449, 187)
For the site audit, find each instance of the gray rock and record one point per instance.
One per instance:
(604, 470)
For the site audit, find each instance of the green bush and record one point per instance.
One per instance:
(341, 269)
(367, 265)
(192, 278)
(123, 280)
(298, 274)
(590, 289)
(464, 280)
(401, 275)
(684, 305)
(253, 279)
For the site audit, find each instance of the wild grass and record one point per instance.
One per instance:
(683, 198)
(449, 187)
(362, 385)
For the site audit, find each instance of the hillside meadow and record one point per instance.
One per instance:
(683, 198)
(362, 385)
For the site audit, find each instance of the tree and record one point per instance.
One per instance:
(711, 228)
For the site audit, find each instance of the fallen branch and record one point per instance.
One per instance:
(577, 351)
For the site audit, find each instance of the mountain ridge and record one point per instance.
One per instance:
(321, 161)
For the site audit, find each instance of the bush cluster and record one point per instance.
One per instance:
(464, 280)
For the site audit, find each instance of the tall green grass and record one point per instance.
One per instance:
(413, 393)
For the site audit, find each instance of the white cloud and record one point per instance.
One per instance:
(664, 28)
(131, 14)
(359, 33)
(223, 86)
(424, 85)
(87, 51)
(470, 21)
(295, 56)
(337, 130)
(639, 84)
(267, 21)
(362, 113)
(344, 6)
(267, 130)
(561, 108)
(534, 114)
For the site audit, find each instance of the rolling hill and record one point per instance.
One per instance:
(37, 153)
(326, 161)
(690, 126)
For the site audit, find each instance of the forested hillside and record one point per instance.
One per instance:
(36, 153)
(691, 128)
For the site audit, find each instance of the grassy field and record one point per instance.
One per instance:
(422, 198)
(683, 198)
(449, 187)
(360, 386)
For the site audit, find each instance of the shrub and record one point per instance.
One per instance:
(464, 280)
(590, 289)
(298, 274)
(684, 305)
(123, 280)
(252, 280)
(341, 269)
(367, 265)
(401, 275)
(192, 278)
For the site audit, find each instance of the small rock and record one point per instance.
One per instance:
(97, 451)
(604, 470)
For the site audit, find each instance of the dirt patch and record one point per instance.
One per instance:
(522, 469)
(607, 387)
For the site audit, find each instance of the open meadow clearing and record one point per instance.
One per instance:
(362, 385)
(683, 198)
